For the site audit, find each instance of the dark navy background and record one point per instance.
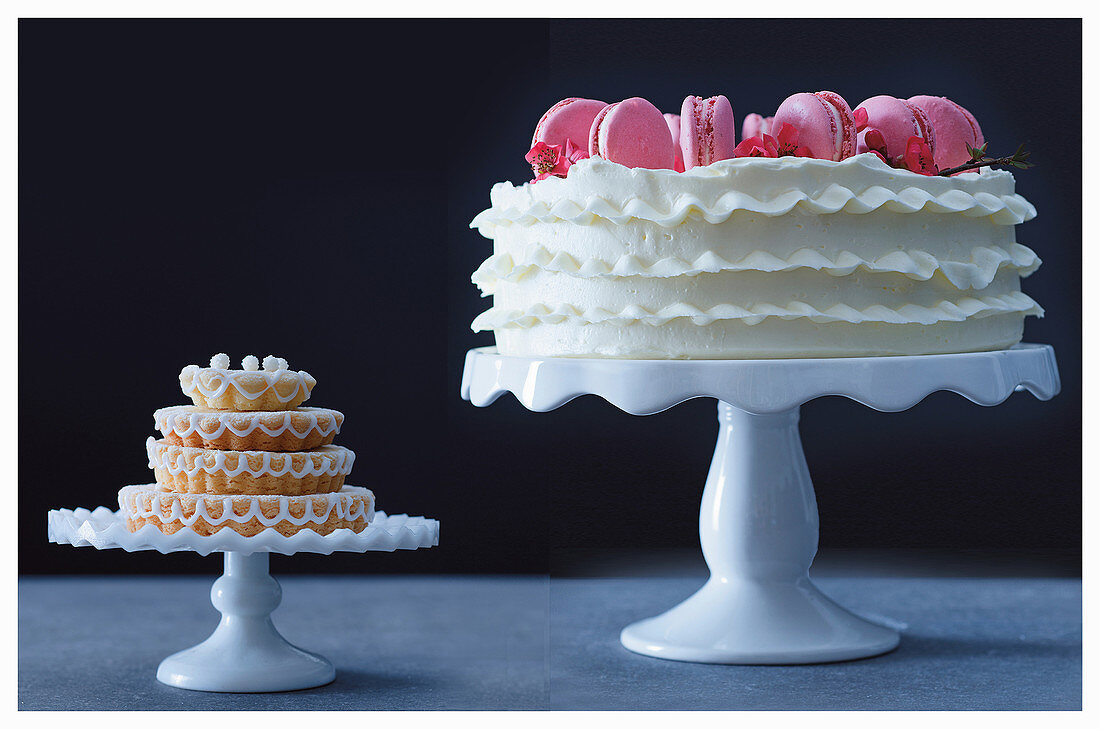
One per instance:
(303, 188)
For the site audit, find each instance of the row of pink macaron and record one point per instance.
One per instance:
(922, 133)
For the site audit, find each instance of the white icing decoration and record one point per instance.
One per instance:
(337, 461)
(220, 361)
(250, 363)
(274, 364)
(596, 188)
(168, 420)
(919, 265)
(965, 308)
(220, 381)
(350, 503)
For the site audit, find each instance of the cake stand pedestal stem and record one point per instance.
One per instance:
(245, 653)
(758, 527)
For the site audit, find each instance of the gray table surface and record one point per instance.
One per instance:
(465, 642)
(396, 642)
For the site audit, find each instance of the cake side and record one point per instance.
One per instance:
(755, 257)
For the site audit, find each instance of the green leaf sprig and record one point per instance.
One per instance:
(978, 158)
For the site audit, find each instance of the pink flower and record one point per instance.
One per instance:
(788, 143)
(861, 118)
(574, 154)
(918, 157)
(876, 142)
(762, 146)
(551, 160)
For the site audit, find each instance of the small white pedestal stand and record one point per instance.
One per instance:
(758, 522)
(245, 653)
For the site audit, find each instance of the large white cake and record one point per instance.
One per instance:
(755, 258)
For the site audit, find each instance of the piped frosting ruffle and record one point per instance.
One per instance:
(967, 307)
(977, 273)
(596, 188)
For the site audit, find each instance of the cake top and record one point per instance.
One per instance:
(598, 189)
(275, 387)
(926, 135)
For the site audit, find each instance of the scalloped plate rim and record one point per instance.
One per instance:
(984, 392)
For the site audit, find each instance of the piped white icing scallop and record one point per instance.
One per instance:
(147, 501)
(185, 420)
(213, 383)
(327, 460)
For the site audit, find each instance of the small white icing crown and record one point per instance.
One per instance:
(250, 363)
(274, 387)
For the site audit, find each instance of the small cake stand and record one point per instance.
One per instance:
(758, 523)
(245, 654)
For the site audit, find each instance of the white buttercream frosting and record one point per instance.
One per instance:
(977, 272)
(597, 188)
(604, 261)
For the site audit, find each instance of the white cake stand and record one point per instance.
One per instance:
(758, 523)
(245, 653)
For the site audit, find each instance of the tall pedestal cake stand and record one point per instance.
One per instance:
(758, 523)
(245, 654)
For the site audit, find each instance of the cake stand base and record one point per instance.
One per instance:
(758, 623)
(758, 521)
(245, 653)
(758, 528)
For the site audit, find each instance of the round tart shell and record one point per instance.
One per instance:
(207, 471)
(246, 390)
(301, 429)
(135, 501)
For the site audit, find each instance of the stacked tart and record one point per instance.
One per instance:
(246, 456)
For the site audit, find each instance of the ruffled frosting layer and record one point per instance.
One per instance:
(964, 308)
(977, 273)
(596, 188)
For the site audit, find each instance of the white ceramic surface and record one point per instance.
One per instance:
(645, 387)
(245, 653)
(104, 529)
(758, 522)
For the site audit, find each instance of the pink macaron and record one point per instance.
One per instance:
(568, 119)
(897, 120)
(673, 121)
(756, 126)
(708, 130)
(824, 123)
(954, 126)
(633, 133)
